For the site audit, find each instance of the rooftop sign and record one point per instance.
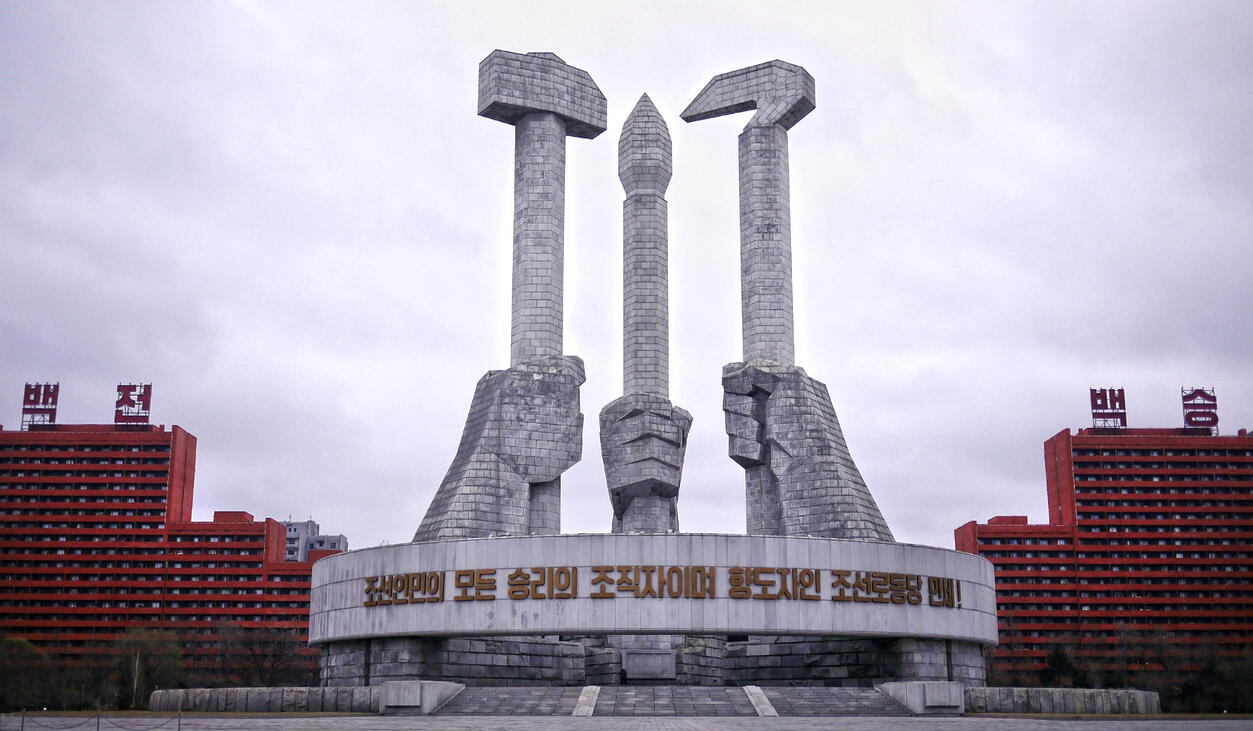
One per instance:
(134, 403)
(1200, 408)
(1109, 408)
(39, 404)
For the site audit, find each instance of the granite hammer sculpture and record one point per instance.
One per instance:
(525, 428)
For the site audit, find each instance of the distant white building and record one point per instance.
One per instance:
(306, 535)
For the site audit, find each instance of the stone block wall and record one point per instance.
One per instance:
(1061, 700)
(702, 660)
(266, 700)
(699, 660)
(851, 662)
(472, 661)
(937, 660)
(602, 665)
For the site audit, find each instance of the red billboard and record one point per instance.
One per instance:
(134, 403)
(1109, 408)
(39, 404)
(1200, 408)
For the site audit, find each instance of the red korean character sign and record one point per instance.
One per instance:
(134, 403)
(1200, 408)
(39, 404)
(1109, 408)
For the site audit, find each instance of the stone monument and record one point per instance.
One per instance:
(642, 435)
(490, 593)
(525, 427)
(800, 478)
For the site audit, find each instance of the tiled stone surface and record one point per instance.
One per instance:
(265, 700)
(801, 478)
(672, 700)
(539, 221)
(766, 247)
(643, 438)
(702, 660)
(512, 701)
(523, 431)
(504, 661)
(783, 429)
(832, 702)
(693, 601)
(644, 167)
(512, 85)
(643, 435)
(783, 94)
(524, 428)
(1061, 700)
(546, 100)
(336, 722)
(850, 661)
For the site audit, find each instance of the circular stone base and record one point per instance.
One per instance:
(536, 610)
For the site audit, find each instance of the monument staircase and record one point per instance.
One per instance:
(671, 700)
(813, 701)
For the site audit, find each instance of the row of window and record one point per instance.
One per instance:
(128, 577)
(1113, 568)
(44, 474)
(84, 460)
(61, 448)
(47, 490)
(1159, 452)
(296, 616)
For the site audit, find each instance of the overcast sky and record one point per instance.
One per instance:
(288, 217)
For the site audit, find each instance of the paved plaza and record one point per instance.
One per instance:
(335, 722)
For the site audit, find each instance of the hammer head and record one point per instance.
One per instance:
(512, 85)
(782, 93)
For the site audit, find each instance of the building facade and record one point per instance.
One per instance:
(1145, 564)
(96, 537)
(306, 535)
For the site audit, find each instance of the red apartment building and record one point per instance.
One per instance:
(96, 536)
(1146, 559)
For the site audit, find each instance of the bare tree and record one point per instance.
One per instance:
(144, 660)
(266, 656)
(24, 672)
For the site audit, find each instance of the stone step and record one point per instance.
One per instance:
(809, 701)
(513, 701)
(672, 700)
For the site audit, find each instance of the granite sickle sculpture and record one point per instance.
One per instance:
(643, 435)
(525, 428)
(800, 479)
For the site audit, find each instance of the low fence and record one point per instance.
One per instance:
(267, 700)
(1061, 700)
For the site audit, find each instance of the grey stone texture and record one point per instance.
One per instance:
(546, 100)
(783, 94)
(643, 435)
(673, 700)
(497, 701)
(695, 599)
(266, 700)
(474, 661)
(801, 479)
(644, 167)
(513, 85)
(783, 429)
(833, 701)
(851, 661)
(524, 429)
(1062, 700)
(643, 438)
